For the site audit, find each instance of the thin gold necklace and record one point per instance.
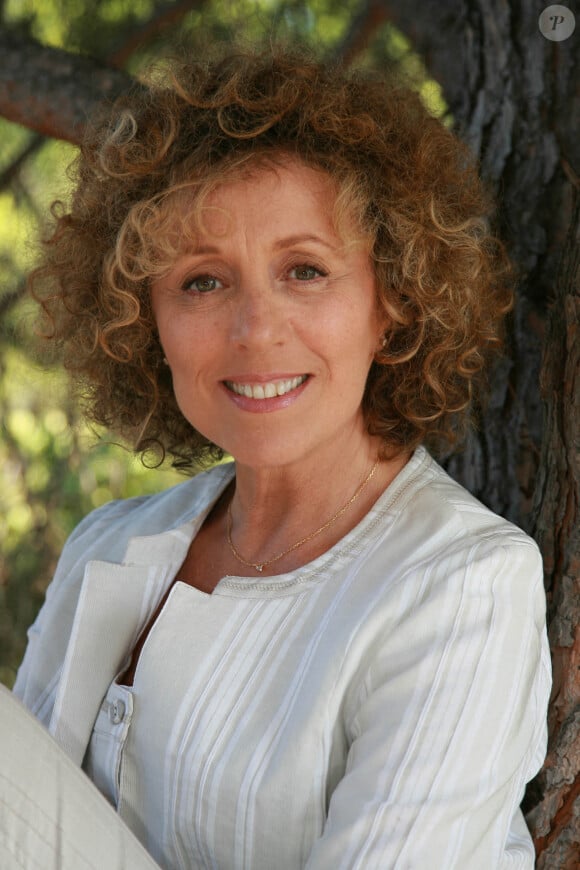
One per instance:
(259, 566)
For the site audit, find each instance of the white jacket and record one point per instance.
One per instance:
(382, 707)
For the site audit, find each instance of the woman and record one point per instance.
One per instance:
(328, 654)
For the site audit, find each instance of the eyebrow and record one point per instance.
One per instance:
(286, 242)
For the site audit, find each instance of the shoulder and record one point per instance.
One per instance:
(440, 541)
(437, 509)
(103, 535)
(106, 531)
(452, 583)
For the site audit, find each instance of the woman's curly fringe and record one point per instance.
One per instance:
(443, 279)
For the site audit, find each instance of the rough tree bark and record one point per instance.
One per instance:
(513, 95)
(554, 802)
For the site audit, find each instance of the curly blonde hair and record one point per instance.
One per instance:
(442, 277)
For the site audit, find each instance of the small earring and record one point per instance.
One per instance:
(377, 356)
(165, 363)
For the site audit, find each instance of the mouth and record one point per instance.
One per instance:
(268, 390)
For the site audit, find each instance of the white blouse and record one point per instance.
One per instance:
(381, 707)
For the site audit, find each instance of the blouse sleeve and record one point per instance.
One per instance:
(449, 725)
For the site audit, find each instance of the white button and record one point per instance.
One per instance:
(116, 711)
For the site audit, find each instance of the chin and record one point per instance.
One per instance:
(262, 453)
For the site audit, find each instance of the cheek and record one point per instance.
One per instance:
(183, 339)
(363, 336)
(165, 332)
(192, 399)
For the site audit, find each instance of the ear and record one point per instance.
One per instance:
(383, 328)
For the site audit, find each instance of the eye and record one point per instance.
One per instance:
(202, 284)
(305, 272)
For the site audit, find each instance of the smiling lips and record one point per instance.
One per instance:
(269, 390)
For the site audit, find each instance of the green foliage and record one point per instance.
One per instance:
(53, 469)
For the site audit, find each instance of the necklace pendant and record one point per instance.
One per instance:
(259, 568)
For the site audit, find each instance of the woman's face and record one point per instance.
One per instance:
(269, 321)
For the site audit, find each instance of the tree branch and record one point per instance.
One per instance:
(371, 15)
(60, 89)
(164, 16)
(10, 173)
(52, 91)
(9, 300)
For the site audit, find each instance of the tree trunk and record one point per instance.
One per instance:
(513, 94)
(554, 802)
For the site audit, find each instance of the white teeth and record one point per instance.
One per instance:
(266, 391)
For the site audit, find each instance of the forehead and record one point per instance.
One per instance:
(269, 199)
(284, 174)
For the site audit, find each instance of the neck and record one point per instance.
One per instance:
(274, 508)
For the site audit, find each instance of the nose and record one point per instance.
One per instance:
(259, 317)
